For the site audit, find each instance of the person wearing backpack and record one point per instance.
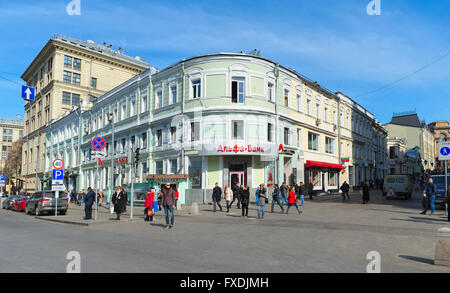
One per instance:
(430, 194)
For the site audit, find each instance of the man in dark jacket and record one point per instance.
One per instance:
(283, 193)
(310, 190)
(88, 202)
(217, 196)
(345, 189)
(237, 190)
(168, 203)
(430, 194)
(366, 193)
(119, 200)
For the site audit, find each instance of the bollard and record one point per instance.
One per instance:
(194, 209)
(442, 253)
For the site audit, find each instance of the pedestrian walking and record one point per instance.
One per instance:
(245, 200)
(365, 192)
(276, 198)
(88, 202)
(149, 201)
(429, 193)
(283, 191)
(119, 200)
(237, 190)
(168, 203)
(302, 193)
(292, 201)
(261, 200)
(217, 196)
(101, 195)
(345, 189)
(228, 195)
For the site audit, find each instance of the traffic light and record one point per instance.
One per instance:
(136, 156)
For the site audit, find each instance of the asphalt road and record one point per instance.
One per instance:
(327, 237)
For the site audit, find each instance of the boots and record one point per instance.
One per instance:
(263, 215)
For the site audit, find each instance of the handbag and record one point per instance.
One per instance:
(266, 200)
(150, 212)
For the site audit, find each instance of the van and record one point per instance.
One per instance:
(402, 185)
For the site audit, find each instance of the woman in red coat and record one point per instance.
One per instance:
(292, 200)
(149, 205)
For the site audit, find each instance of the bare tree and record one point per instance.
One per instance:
(13, 162)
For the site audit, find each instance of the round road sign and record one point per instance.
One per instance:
(58, 164)
(98, 143)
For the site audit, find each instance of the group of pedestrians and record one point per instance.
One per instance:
(241, 194)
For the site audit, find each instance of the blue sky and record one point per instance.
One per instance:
(335, 43)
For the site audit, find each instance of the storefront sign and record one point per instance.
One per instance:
(240, 149)
(247, 149)
(122, 161)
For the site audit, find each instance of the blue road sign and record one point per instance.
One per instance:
(445, 151)
(2, 177)
(28, 93)
(98, 143)
(58, 175)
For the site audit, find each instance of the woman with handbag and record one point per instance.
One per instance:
(261, 201)
(149, 212)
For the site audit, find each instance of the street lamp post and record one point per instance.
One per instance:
(111, 183)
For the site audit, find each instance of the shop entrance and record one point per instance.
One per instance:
(235, 178)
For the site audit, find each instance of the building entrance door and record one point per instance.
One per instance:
(236, 177)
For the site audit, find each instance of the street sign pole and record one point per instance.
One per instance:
(56, 203)
(96, 194)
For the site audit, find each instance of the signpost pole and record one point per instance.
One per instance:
(446, 174)
(56, 203)
(96, 193)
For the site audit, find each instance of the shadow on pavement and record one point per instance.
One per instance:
(418, 259)
(422, 220)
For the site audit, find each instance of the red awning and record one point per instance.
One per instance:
(323, 165)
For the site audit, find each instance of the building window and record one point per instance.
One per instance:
(76, 79)
(174, 166)
(67, 62)
(124, 111)
(75, 99)
(196, 89)
(313, 141)
(93, 83)
(299, 102)
(195, 131)
(133, 108)
(308, 107)
(325, 114)
(66, 98)
(173, 94)
(159, 167)
(144, 104)
(270, 132)
(299, 138)
(237, 90)
(329, 145)
(270, 92)
(173, 134)
(144, 141)
(286, 97)
(76, 64)
(318, 111)
(67, 78)
(159, 137)
(238, 129)
(158, 101)
(286, 136)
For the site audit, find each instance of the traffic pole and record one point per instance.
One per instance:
(96, 194)
(56, 203)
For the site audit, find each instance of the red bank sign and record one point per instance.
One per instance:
(240, 149)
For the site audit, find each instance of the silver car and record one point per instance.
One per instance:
(45, 202)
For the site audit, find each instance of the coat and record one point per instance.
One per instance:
(245, 197)
(345, 187)
(149, 200)
(366, 195)
(217, 193)
(168, 198)
(120, 202)
(90, 198)
(228, 194)
(292, 198)
(261, 197)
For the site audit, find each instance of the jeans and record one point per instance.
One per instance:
(284, 198)
(228, 205)
(302, 199)
(168, 209)
(345, 193)
(277, 200)
(292, 204)
(238, 201)
(261, 209)
(430, 202)
(88, 211)
(218, 203)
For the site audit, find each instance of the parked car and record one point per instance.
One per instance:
(7, 204)
(402, 185)
(45, 202)
(19, 204)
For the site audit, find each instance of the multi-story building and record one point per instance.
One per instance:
(67, 73)
(417, 134)
(12, 131)
(441, 131)
(224, 118)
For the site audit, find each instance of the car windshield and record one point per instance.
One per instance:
(49, 194)
(391, 180)
(400, 180)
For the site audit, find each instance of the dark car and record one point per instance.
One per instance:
(45, 202)
(8, 202)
